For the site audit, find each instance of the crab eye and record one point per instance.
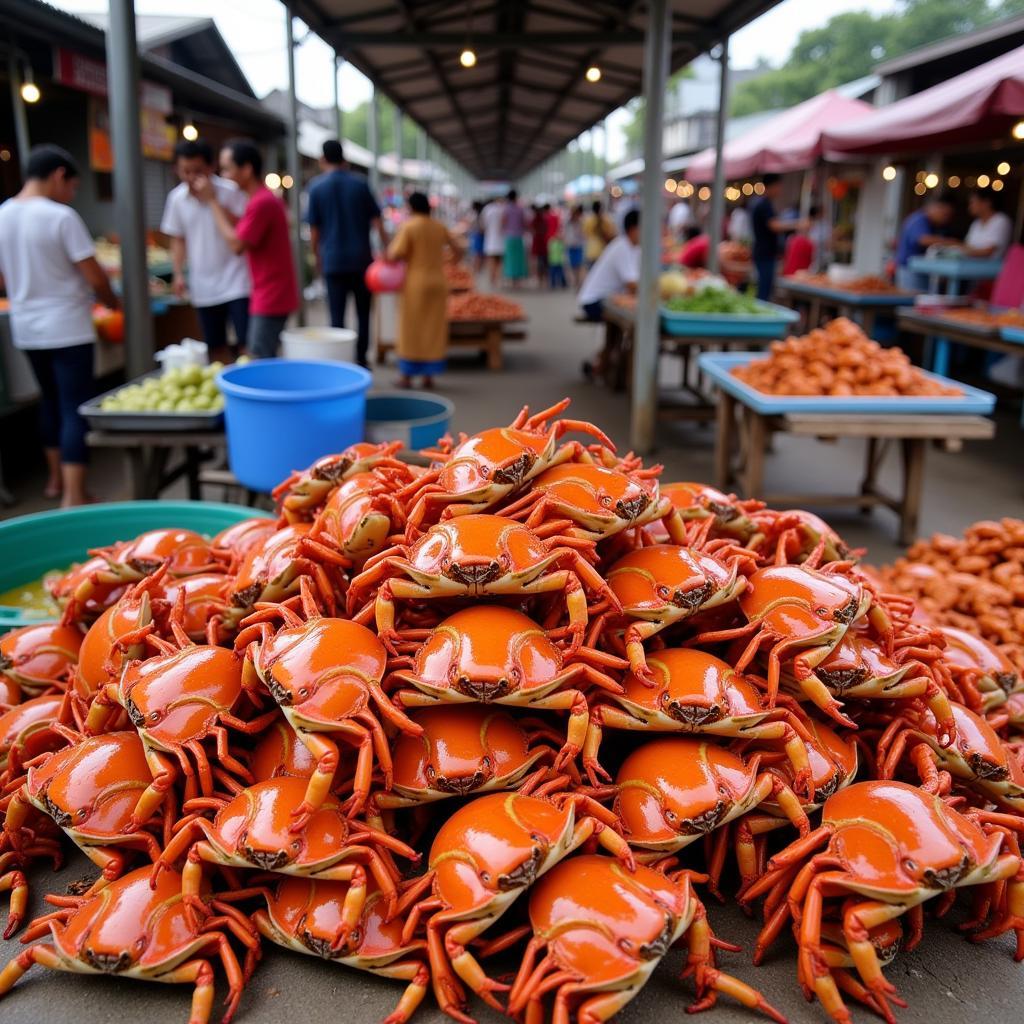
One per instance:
(82, 813)
(536, 838)
(606, 501)
(910, 865)
(485, 876)
(504, 561)
(663, 591)
(446, 562)
(486, 762)
(356, 937)
(296, 844)
(625, 945)
(485, 471)
(430, 772)
(722, 791)
(304, 692)
(670, 817)
(154, 716)
(821, 611)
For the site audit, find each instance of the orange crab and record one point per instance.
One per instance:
(663, 584)
(27, 730)
(981, 669)
(695, 502)
(130, 930)
(39, 657)
(234, 542)
(893, 847)
(254, 830)
(325, 673)
(483, 469)
(495, 655)
(477, 556)
(599, 931)
(486, 854)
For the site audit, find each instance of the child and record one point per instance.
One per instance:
(556, 261)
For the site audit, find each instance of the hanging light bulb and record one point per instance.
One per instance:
(593, 73)
(1018, 130)
(272, 181)
(190, 131)
(29, 90)
(468, 58)
(889, 173)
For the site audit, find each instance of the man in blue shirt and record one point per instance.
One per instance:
(342, 211)
(927, 226)
(766, 226)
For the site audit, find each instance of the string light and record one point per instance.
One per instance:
(190, 132)
(704, 194)
(931, 180)
(29, 90)
(889, 173)
(748, 189)
(272, 181)
(593, 73)
(1018, 130)
(758, 188)
(670, 185)
(983, 180)
(1003, 168)
(920, 188)
(997, 185)
(953, 181)
(287, 181)
(467, 58)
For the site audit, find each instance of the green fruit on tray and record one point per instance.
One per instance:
(189, 389)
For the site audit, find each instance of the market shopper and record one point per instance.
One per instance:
(423, 307)
(923, 228)
(49, 270)
(767, 227)
(991, 230)
(218, 279)
(342, 212)
(513, 229)
(572, 234)
(598, 231)
(262, 234)
(493, 217)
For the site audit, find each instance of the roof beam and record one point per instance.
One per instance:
(493, 40)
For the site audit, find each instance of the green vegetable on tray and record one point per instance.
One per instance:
(715, 300)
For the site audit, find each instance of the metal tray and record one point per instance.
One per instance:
(1014, 334)
(103, 419)
(772, 324)
(838, 294)
(718, 366)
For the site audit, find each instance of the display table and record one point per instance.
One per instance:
(486, 335)
(148, 457)
(747, 419)
(863, 307)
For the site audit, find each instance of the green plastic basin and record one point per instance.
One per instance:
(31, 546)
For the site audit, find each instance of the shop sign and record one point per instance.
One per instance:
(88, 75)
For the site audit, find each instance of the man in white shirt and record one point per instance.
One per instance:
(991, 231)
(492, 218)
(617, 269)
(48, 267)
(679, 218)
(218, 279)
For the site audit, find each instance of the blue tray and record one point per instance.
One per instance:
(772, 324)
(838, 294)
(717, 365)
(960, 268)
(1014, 334)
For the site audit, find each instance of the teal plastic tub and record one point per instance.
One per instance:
(31, 546)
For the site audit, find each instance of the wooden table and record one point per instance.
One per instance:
(742, 430)
(486, 335)
(935, 327)
(863, 307)
(148, 457)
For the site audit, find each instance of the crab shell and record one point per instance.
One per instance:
(902, 845)
(696, 501)
(857, 667)
(129, 928)
(356, 519)
(810, 530)
(91, 789)
(306, 914)
(666, 583)
(804, 606)
(693, 691)
(319, 672)
(184, 552)
(26, 727)
(674, 790)
(607, 926)
(487, 653)
(279, 751)
(206, 594)
(37, 657)
(100, 647)
(269, 568)
(464, 749)
(493, 848)
(62, 588)
(833, 762)
(253, 830)
(601, 501)
(476, 555)
(175, 698)
(996, 674)
(234, 542)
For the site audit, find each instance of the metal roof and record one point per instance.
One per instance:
(527, 97)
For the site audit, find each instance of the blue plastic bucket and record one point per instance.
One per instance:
(418, 421)
(283, 414)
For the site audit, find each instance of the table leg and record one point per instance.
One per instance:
(940, 356)
(725, 421)
(135, 467)
(192, 465)
(492, 343)
(868, 321)
(814, 314)
(872, 461)
(757, 440)
(913, 485)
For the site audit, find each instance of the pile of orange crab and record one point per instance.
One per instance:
(530, 705)
(479, 306)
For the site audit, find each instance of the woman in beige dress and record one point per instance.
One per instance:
(423, 307)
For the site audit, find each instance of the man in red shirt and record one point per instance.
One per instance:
(262, 234)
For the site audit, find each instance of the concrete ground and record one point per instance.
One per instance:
(945, 980)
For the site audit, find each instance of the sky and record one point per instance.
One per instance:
(254, 29)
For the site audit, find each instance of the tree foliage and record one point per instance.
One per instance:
(356, 124)
(849, 45)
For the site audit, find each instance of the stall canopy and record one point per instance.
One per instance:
(976, 106)
(527, 96)
(790, 141)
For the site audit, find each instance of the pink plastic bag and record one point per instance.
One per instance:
(384, 276)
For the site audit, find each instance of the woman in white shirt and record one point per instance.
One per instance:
(48, 267)
(991, 231)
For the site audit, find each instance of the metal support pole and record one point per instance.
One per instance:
(718, 186)
(374, 140)
(399, 176)
(129, 210)
(21, 136)
(646, 341)
(339, 113)
(294, 166)
(421, 157)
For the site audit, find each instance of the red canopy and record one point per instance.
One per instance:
(789, 142)
(980, 104)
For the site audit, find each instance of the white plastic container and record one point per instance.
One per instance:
(843, 273)
(335, 344)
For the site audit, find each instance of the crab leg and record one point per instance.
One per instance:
(43, 954)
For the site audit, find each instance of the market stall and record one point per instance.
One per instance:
(861, 298)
